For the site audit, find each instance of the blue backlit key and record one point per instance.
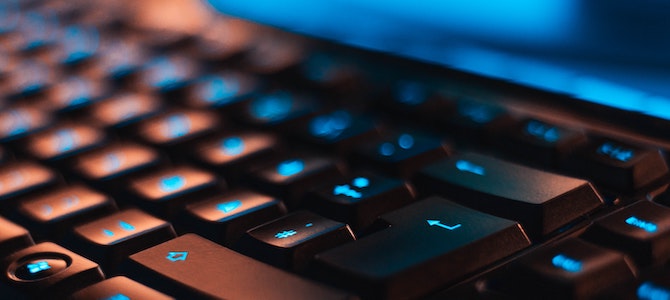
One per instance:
(293, 240)
(226, 218)
(338, 131)
(617, 165)
(125, 109)
(221, 90)
(77, 44)
(642, 230)
(74, 93)
(21, 178)
(111, 239)
(541, 201)
(419, 100)
(29, 78)
(476, 120)
(64, 140)
(572, 269)
(175, 128)
(118, 59)
(167, 73)
(279, 109)
(118, 288)
(37, 30)
(360, 199)
(19, 121)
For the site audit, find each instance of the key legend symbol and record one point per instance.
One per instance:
(439, 224)
(229, 206)
(286, 233)
(177, 256)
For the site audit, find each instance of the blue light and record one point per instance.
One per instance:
(616, 152)
(272, 107)
(566, 263)
(642, 224)
(542, 131)
(466, 166)
(117, 297)
(171, 183)
(232, 145)
(386, 149)
(410, 93)
(478, 113)
(38, 267)
(79, 92)
(126, 226)
(330, 126)
(405, 141)
(218, 90)
(176, 126)
(112, 161)
(229, 206)
(79, 43)
(163, 72)
(361, 182)
(346, 190)
(108, 232)
(65, 139)
(177, 256)
(18, 122)
(286, 233)
(650, 291)
(290, 167)
(439, 224)
(309, 225)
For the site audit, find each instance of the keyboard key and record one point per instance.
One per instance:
(36, 31)
(165, 192)
(476, 120)
(642, 230)
(107, 167)
(125, 109)
(73, 93)
(293, 240)
(418, 100)
(21, 178)
(617, 165)
(13, 237)
(221, 90)
(360, 199)
(402, 154)
(168, 73)
(273, 54)
(277, 110)
(111, 239)
(177, 127)
(224, 219)
(338, 131)
(63, 141)
(118, 288)
(118, 59)
(29, 78)
(541, 201)
(572, 269)
(52, 214)
(77, 44)
(291, 178)
(17, 122)
(46, 271)
(428, 245)
(192, 267)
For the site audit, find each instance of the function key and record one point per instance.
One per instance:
(339, 130)
(111, 239)
(118, 288)
(21, 178)
(111, 164)
(13, 237)
(226, 218)
(52, 214)
(125, 109)
(175, 128)
(19, 121)
(293, 240)
(221, 90)
(64, 140)
(617, 165)
(46, 271)
(541, 201)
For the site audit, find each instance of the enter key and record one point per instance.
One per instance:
(428, 245)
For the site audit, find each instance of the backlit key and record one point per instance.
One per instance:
(221, 90)
(107, 165)
(338, 131)
(13, 237)
(19, 121)
(125, 109)
(118, 288)
(21, 178)
(64, 140)
(177, 127)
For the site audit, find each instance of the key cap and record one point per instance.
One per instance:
(17, 122)
(221, 90)
(291, 178)
(64, 141)
(175, 128)
(224, 219)
(428, 245)
(418, 100)
(118, 288)
(167, 73)
(37, 30)
(119, 58)
(74, 93)
(22, 178)
(572, 269)
(46, 271)
(402, 154)
(476, 120)
(111, 239)
(541, 201)
(642, 230)
(191, 267)
(293, 240)
(165, 192)
(52, 214)
(210, 45)
(617, 165)
(29, 78)
(360, 199)
(77, 44)
(338, 131)
(13, 237)
(277, 110)
(125, 109)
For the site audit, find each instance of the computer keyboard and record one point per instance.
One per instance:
(140, 164)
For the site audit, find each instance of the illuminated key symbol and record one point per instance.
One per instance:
(70, 201)
(466, 166)
(108, 232)
(330, 126)
(542, 131)
(361, 182)
(642, 224)
(272, 107)
(177, 256)
(171, 183)
(476, 113)
(439, 224)
(232, 145)
(219, 90)
(616, 152)
(125, 226)
(78, 92)
(650, 291)
(286, 233)
(117, 297)
(38, 267)
(405, 141)
(112, 161)
(346, 190)
(176, 126)
(290, 167)
(566, 263)
(227, 207)
(309, 224)
(65, 139)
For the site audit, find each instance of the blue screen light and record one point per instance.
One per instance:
(566, 263)
(229, 206)
(177, 256)
(650, 291)
(38, 267)
(272, 107)
(232, 145)
(542, 131)
(171, 183)
(290, 167)
(616, 152)
(285, 234)
(176, 126)
(642, 224)
(467, 166)
(330, 126)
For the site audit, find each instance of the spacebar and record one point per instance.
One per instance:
(191, 267)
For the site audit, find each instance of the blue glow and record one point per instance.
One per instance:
(616, 152)
(272, 107)
(439, 224)
(38, 267)
(467, 166)
(216, 89)
(410, 93)
(108, 232)
(79, 92)
(346, 190)
(309, 225)
(65, 140)
(79, 43)
(163, 73)
(18, 122)
(566, 263)
(386, 149)
(112, 161)
(330, 126)
(650, 291)
(642, 224)
(232, 145)
(126, 226)
(476, 112)
(286, 233)
(361, 182)
(117, 297)
(542, 131)
(171, 183)
(290, 167)
(176, 126)
(177, 256)
(229, 206)
(405, 141)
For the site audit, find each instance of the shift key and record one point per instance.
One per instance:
(192, 267)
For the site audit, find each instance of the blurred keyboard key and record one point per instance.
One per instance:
(273, 54)
(122, 110)
(338, 131)
(29, 78)
(223, 38)
(21, 178)
(476, 120)
(77, 44)
(118, 59)
(277, 110)
(74, 93)
(64, 140)
(167, 73)
(233, 152)
(221, 90)
(19, 121)
(118, 288)
(109, 165)
(13, 237)
(177, 127)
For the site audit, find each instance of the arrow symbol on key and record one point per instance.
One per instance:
(438, 223)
